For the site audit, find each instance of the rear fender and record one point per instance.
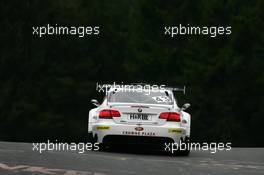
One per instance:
(187, 117)
(91, 119)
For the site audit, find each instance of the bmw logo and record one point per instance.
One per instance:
(139, 110)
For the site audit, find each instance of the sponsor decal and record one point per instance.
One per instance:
(162, 99)
(102, 127)
(137, 133)
(139, 128)
(175, 130)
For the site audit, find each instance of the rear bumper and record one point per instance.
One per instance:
(145, 142)
(127, 134)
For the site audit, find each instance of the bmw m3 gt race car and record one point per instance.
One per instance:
(134, 116)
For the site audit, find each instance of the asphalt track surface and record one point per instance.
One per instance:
(19, 158)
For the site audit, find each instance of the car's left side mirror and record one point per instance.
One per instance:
(185, 106)
(95, 102)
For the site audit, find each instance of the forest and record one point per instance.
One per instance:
(47, 82)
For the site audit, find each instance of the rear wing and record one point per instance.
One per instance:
(181, 89)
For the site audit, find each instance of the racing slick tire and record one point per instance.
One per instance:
(90, 138)
(185, 152)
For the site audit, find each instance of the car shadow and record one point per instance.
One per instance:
(138, 150)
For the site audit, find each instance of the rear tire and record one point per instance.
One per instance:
(186, 152)
(91, 138)
(103, 147)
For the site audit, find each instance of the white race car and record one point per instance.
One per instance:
(150, 118)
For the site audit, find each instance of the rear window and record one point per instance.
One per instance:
(163, 98)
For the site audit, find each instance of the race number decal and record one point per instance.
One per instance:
(162, 99)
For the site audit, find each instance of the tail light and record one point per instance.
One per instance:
(170, 116)
(108, 114)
